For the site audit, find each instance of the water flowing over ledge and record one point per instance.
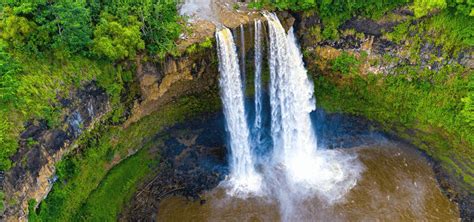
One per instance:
(295, 169)
(243, 177)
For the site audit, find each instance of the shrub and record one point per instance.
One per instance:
(345, 63)
(115, 40)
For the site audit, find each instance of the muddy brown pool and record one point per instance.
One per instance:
(398, 184)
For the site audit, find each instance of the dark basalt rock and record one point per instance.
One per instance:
(336, 130)
(365, 26)
(34, 131)
(193, 159)
(40, 146)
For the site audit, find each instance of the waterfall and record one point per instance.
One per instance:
(291, 100)
(258, 82)
(296, 169)
(329, 174)
(243, 177)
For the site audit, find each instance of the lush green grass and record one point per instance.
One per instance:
(2, 199)
(345, 63)
(107, 201)
(81, 173)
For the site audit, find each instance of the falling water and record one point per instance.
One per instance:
(308, 170)
(305, 181)
(291, 99)
(242, 55)
(243, 177)
(258, 81)
(297, 169)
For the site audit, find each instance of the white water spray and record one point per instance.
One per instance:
(308, 170)
(258, 82)
(243, 177)
(291, 99)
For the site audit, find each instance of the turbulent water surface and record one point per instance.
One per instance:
(398, 184)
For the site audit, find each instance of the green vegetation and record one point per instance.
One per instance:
(109, 198)
(115, 41)
(468, 109)
(432, 108)
(2, 199)
(416, 96)
(32, 92)
(84, 185)
(334, 13)
(423, 7)
(197, 47)
(345, 64)
(158, 21)
(73, 27)
(48, 48)
(445, 30)
(438, 104)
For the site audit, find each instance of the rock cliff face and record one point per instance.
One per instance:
(41, 147)
(164, 81)
(361, 35)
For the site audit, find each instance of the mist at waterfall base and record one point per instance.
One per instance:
(274, 152)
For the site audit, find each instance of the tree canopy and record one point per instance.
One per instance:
(44, 44)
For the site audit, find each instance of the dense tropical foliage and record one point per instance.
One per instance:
(46, 47)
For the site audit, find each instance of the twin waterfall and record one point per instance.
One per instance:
(243, 175)
(291, 100)
(294, 168)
